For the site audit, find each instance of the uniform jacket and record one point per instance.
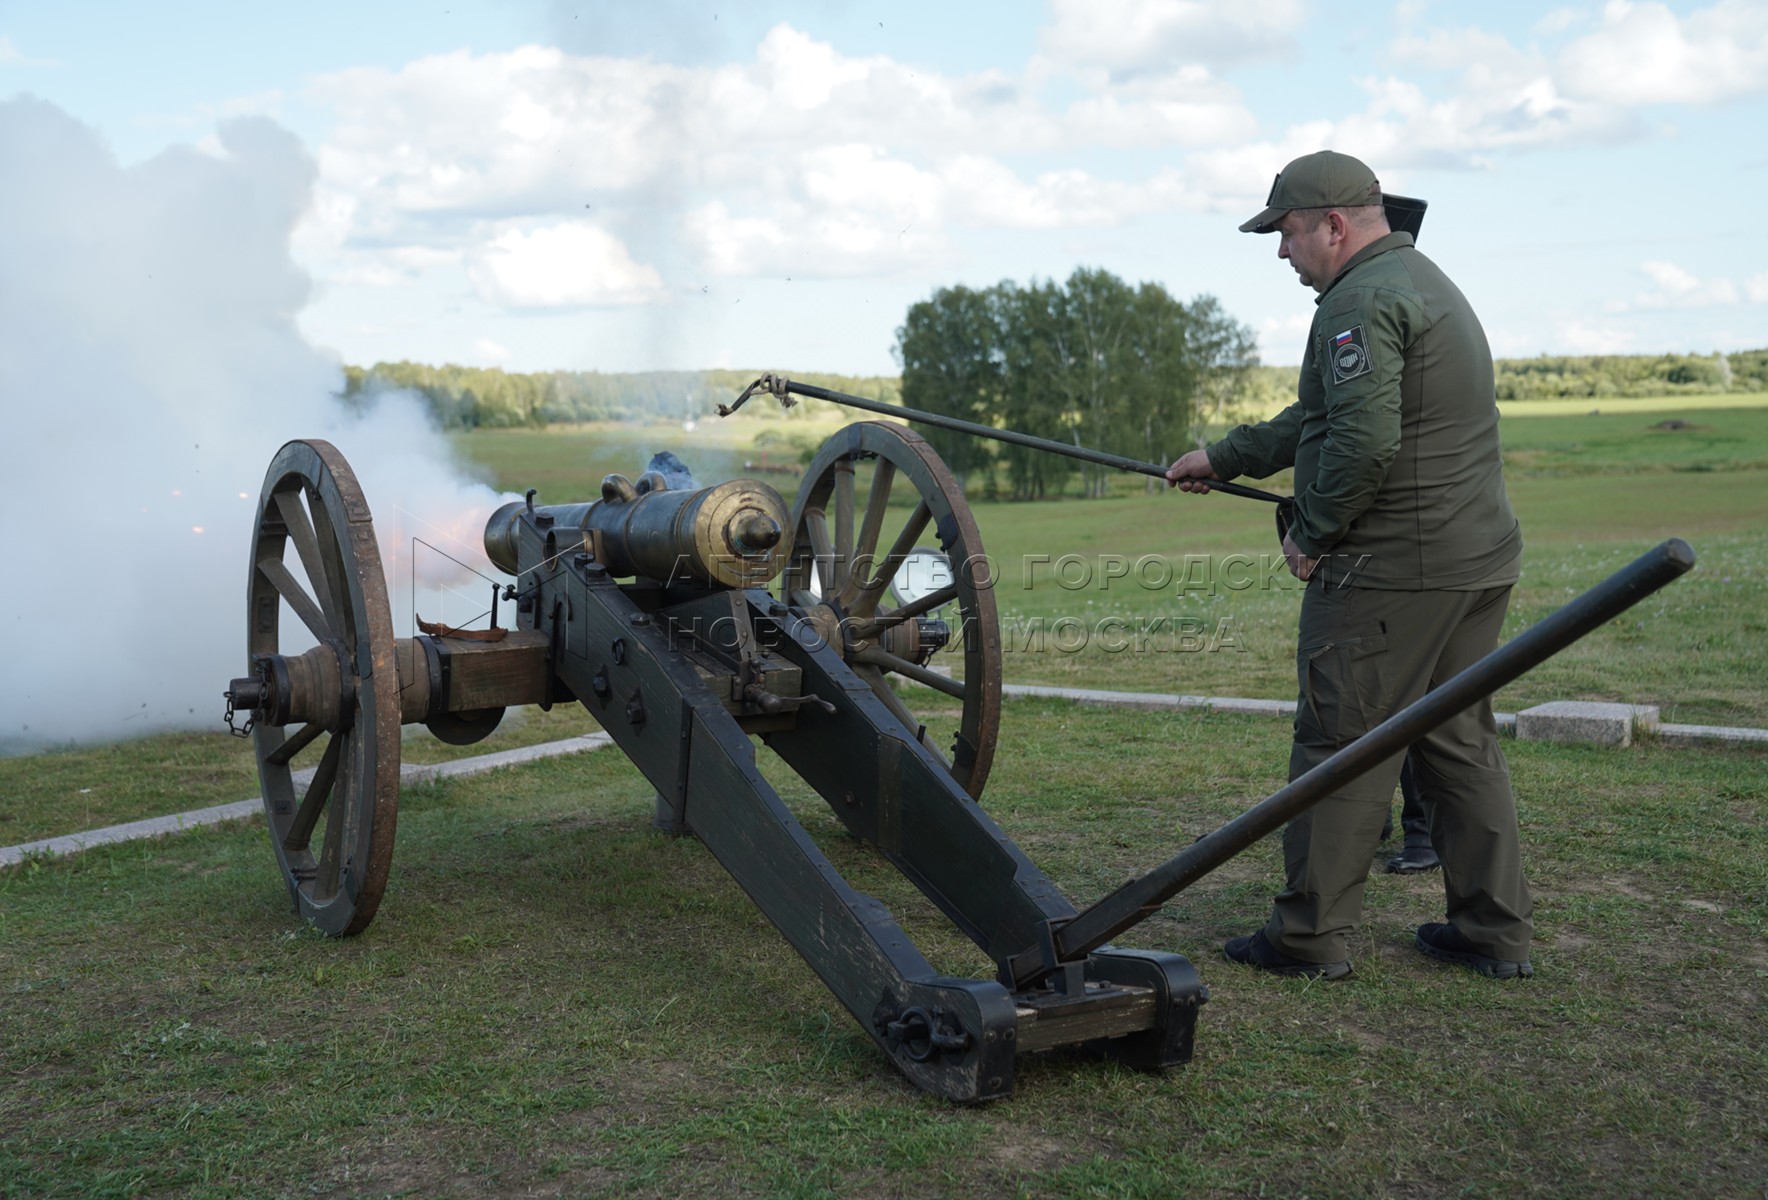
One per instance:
(1399, 482)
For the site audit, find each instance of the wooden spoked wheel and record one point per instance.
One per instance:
(845, 551)
(333, 833)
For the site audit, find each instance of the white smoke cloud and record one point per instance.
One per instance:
(575, 264)
(150, 366)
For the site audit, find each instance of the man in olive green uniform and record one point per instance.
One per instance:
(1403, 532)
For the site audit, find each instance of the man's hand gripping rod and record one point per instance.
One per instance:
(784, 389)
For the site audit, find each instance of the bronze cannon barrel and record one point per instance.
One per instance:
(731, 535)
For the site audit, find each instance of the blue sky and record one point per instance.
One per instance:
(634, 186)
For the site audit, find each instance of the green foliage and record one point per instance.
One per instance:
(1749, 370)
(1094, 361)
(490, 398)
(1557, 376)
(1573, 377)
(458, 397)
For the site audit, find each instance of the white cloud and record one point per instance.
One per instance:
(797, 243)
(988, 195)
(1756, 288)
(12, 56)
(1558, 20)
(1513, 98)
(1508, 99)
(1677, 287)
(1577, 336)
(850, 211)
(1284, 339)
(1646, 54)
(1505, 101)
(571, 265)
(1460, 49)
(1134, 36)
(1187, 106)
(800, 161)
(495, 351)
(559, 180)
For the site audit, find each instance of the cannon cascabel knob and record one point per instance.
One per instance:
(753, 533)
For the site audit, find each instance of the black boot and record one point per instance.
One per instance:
(1412, 859)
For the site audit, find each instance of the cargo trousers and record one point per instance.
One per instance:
(1363, 654)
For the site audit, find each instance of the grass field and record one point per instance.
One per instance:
(556, 1001)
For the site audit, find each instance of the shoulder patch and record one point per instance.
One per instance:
(1348, 354)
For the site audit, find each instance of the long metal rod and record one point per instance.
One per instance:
(1141, 897)
(780, 386)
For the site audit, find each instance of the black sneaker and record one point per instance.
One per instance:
(1412, 860)
(1254, 951)
(1444, 941)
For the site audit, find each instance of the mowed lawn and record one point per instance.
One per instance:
(557, 1001)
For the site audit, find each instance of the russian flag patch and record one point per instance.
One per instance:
(1350, 357)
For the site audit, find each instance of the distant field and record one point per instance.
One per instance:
(1631, 405)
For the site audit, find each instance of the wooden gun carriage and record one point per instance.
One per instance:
(651, 607)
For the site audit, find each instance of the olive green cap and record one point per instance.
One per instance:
(1324, 179)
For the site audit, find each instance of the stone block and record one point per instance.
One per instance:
(1585, 721)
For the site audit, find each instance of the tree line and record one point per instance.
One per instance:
(1578, 377)
(1554, 377)
(491, 398)
(487, 397)
(1094, 361)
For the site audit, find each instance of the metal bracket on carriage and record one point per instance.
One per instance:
(773, 383)
(1066, 976)
(921, 1033)
(438, 629)
(247, 695)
